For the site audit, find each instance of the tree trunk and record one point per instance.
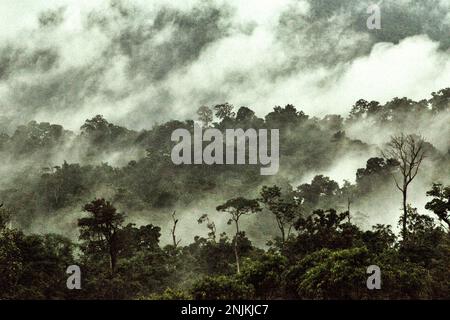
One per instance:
(113, 259)
(236, 253)
(348, 209)
(282, 231)
(405, 214)
(174, 238)
(113, 253)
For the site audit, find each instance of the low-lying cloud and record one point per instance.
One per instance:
(139, 63)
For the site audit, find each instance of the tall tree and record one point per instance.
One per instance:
(236, 208)
(284, 211)
(224, 111)
(102, 227)
(409, 151)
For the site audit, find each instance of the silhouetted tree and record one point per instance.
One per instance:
(285, 211)
(236, 208)
(102, 226)
(224, 111)
(409, 151)
(174, 229)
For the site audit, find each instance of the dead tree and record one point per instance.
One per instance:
(174, 238)
(409, 151)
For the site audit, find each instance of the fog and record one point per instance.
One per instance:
(139, 63)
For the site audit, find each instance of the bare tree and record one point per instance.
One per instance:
(174, 238)
(409, 151)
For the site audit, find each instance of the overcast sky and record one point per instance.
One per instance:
(139, 62)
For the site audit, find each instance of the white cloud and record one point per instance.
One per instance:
(242, 68)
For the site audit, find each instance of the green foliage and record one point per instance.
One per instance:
(100, 229)
(337, 274)
(265, 275)
(239, 206)
(33, 267)
(284, 210)
(440, 204)
(402, 279)
(11, 263)
(221, 288)
(5, 217)
(224, 111)
(323, 229)
(169, 294)
(323, 256)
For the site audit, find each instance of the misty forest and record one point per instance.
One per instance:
(231, 233)
(91, 92)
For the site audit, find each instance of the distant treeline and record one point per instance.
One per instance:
(40, 182)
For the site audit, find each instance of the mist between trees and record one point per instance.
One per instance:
(110, 200)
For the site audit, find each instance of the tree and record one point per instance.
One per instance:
(102, 133)
(142, 239)
(205, 115)
(440, 101)
(236, 208)
(35, 137)
(423, 244)
(324, 229)
(363, 109)
(5, 217)
(224, 111)
(245, 114)
(174, 227)
(409, 151)
(380, 238)
(440, 204)
(97, 128)
(210, 225)
(101, 227)
(336, 274)
(376, 173)
(321, 187)
(287, 116)
(284, 211)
